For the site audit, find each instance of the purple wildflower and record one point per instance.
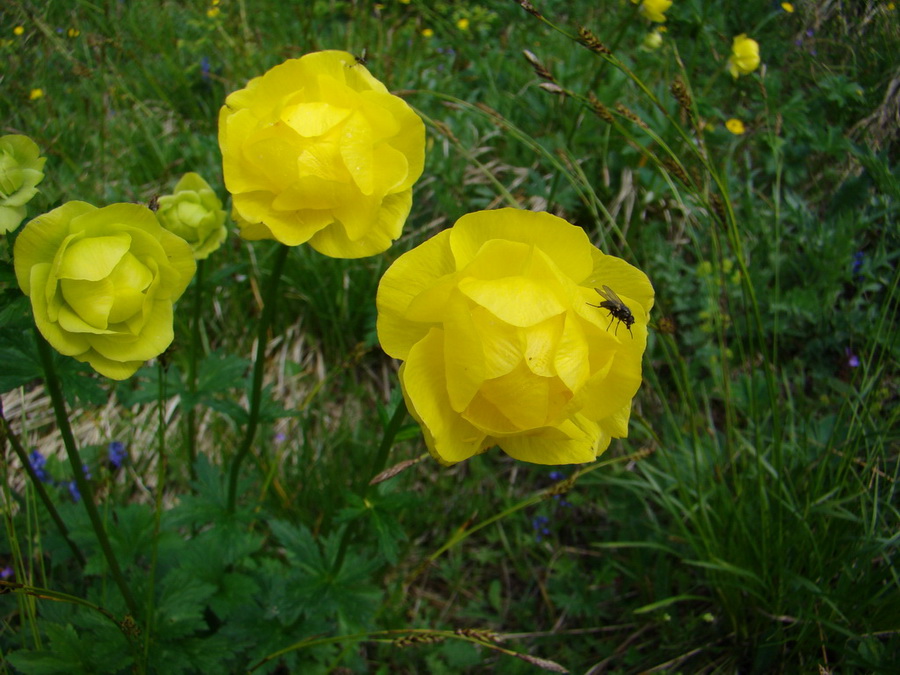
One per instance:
(852, 359)
(73, 490)
(7, 573)
(117, 454)
(37, 461)
(539, 523)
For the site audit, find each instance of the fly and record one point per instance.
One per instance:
(618, 310)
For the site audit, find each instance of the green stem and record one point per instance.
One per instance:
(387, 442)
(157, 516)
(84, 487)
(265, 322)
(7, 434)
(191, 417)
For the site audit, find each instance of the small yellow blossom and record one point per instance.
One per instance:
(404, 2)
(213, 12)
(19, 30)
(891, 6)
(427, 32)
(463, 24)
(735, 126)
(652, 40)
(787, 7)
(35, 94)
(73, 32)
(214, 3)
(654, 10)
(744, 57)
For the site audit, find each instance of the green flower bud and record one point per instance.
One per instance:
(20, 171)
(195, 214)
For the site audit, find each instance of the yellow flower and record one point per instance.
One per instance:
(654, 10)
(73, 32)
(427, 32)
(35, 94)
(102, 282)
(213, 12)
(195, 214)
(21, 169)
(405, 2)
(504, 343)
(735, 126)
(317, 150)
(744, 57)
(19, 30)
(787, 7)
(463, 24)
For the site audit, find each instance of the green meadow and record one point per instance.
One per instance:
(748, 523)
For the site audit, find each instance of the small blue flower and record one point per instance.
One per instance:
(73, 490)
(539, 523)
(117, 454)
(557, 475)
(37, 461)
(204, 67)
(852, 359)
(6, 573)
(858, 258)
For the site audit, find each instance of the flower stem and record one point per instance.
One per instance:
(265, 322)
(7, 434)
(191, 416)
(387, 442)
(84, 487)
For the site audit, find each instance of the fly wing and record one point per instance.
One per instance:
(609, 294)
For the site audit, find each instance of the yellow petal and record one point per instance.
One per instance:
(503, 345)
(566, 245)
(516, 300)
(575, 441)
(40, 240)
(540, 346)
(389, 219)
(314, 118)
(571, 360)
(464, 362)
(94, 258)
(409, 275)
(452, 438)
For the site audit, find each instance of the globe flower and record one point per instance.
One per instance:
(654, 10)
(744, 57)
(20, 171)
(195, 214)
(317, 150)
(735, 126)
(102, 282)
(503, 340)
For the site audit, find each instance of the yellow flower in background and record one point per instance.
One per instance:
(744, 57)
(654, 10)
(102, 282)
(427, 32)
(195, 214)
(35, 94)
(19, 30)
(317, 150)
(735, 126)
(21, 169)
(73, 32)
(463, 24)
(503, 343)
(787, 7)
(213, 12)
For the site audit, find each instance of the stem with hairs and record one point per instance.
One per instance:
(84, 487)
(265, 322)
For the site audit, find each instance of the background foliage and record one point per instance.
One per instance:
(748, 524)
